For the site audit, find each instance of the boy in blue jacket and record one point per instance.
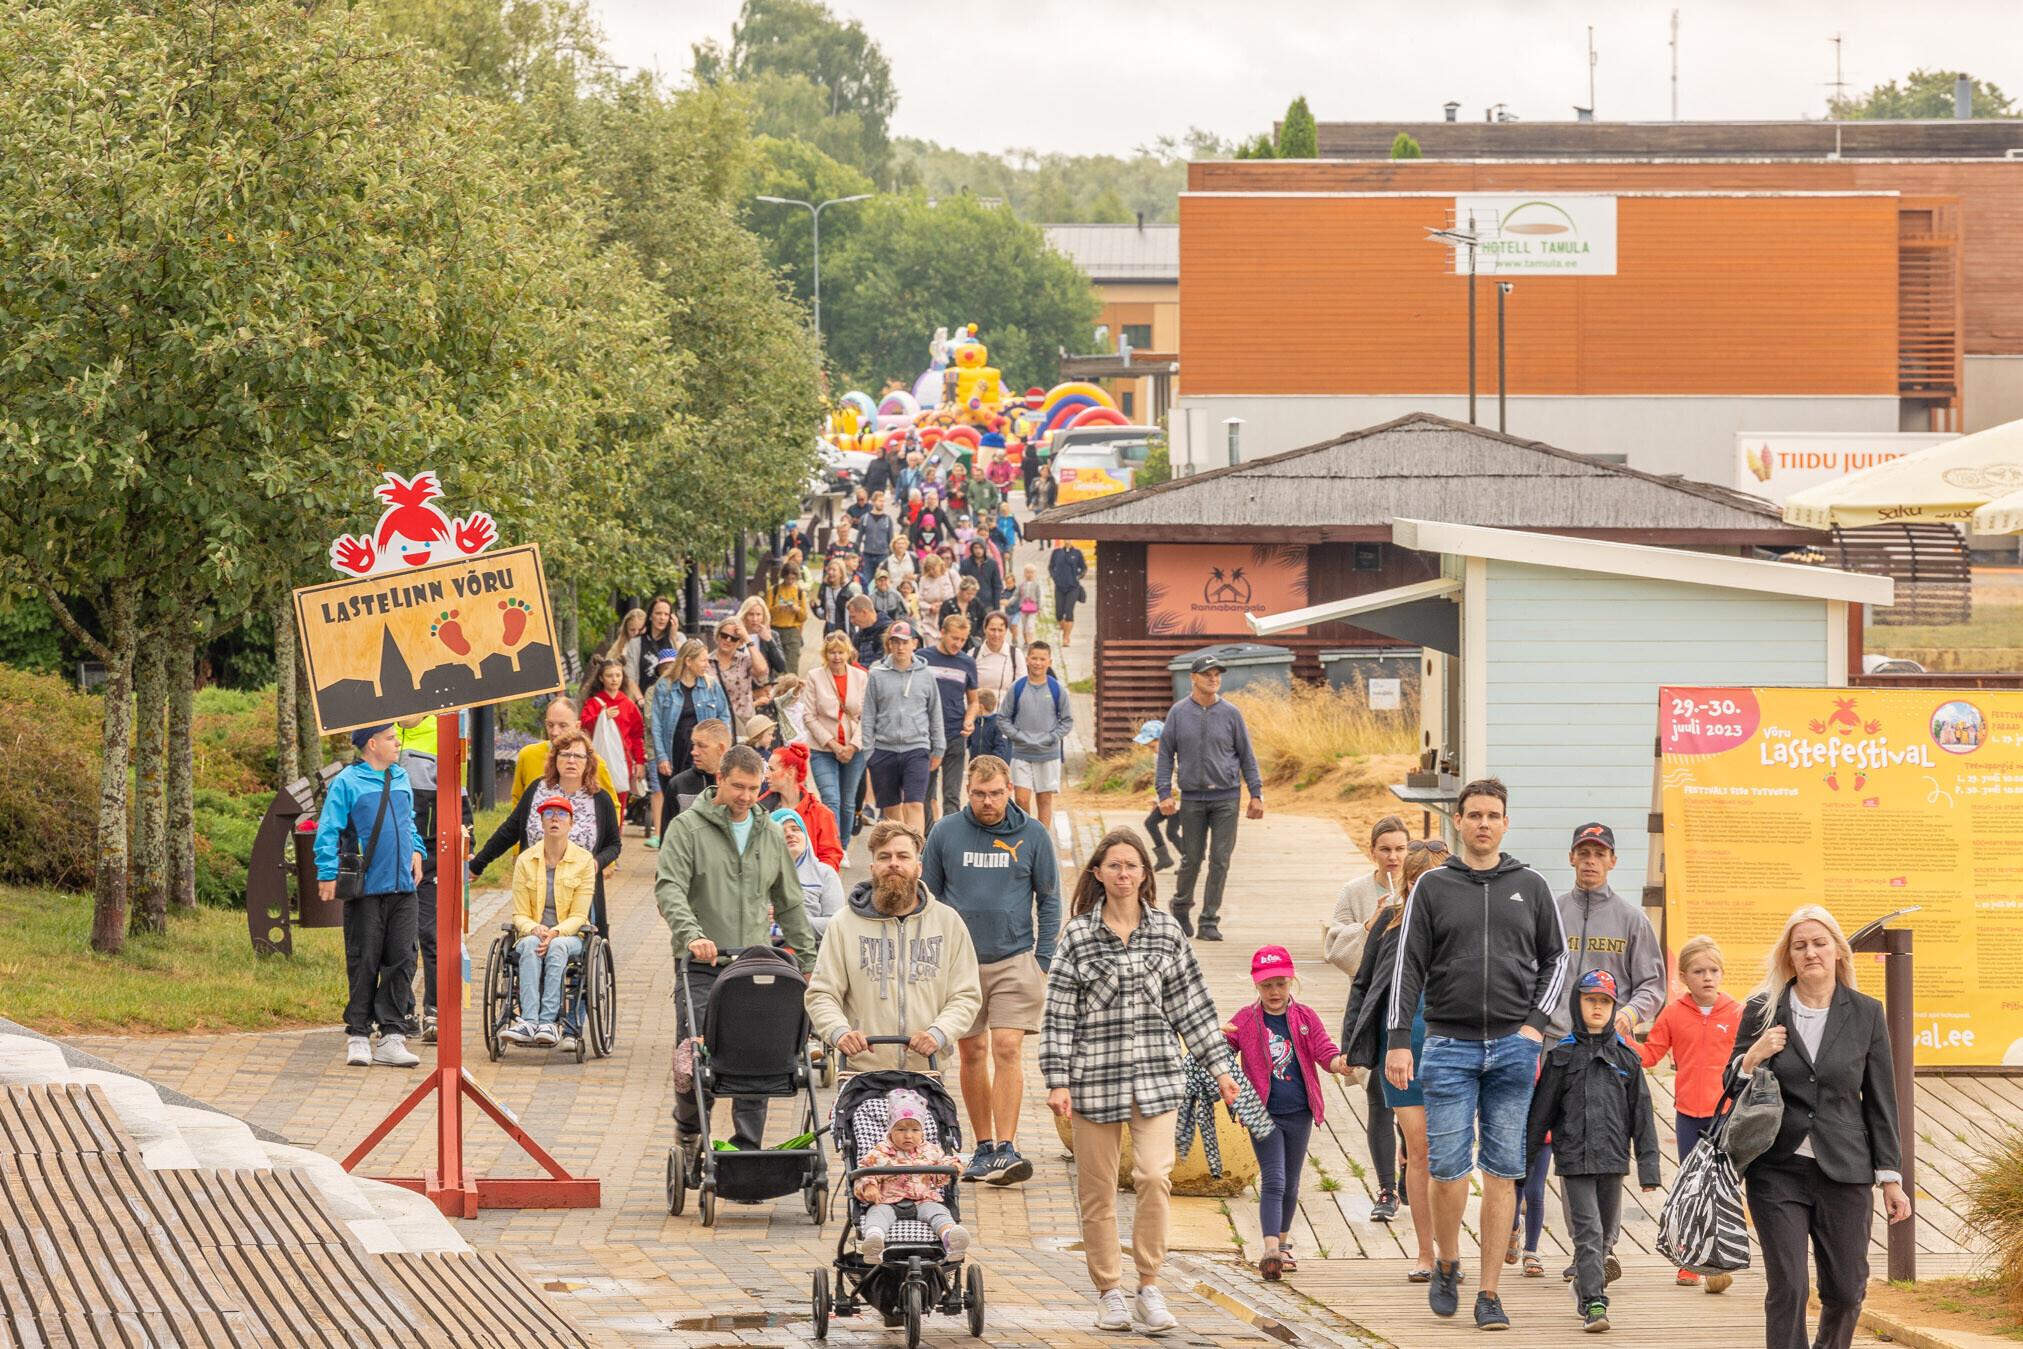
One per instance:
(988, 737)
(379, 924)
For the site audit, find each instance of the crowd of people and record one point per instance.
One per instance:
(1498, 1023)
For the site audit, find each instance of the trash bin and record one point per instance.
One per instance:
(1246, 665)
(1389, 675)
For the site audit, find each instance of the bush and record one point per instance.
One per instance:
(49, 736)
(226, 825)
(1158, 465)
(1995, 1199)
(234, 740)
(1302, 735)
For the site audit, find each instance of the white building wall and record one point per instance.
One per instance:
(1692, 436)
(1572, 663)
(1991, 391)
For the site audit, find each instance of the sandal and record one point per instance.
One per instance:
(1420, 1275)
(1534, 1268)
(1271, 1266)
(1510, 1255)
(1286, 1261)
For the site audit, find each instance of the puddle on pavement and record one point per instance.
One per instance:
(741, 1321)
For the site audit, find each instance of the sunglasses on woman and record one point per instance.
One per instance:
(1427, 845)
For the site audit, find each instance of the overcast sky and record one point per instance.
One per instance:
(1108, 75)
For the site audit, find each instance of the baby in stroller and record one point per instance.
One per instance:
(905, 1144)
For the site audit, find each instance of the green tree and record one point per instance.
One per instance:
(1404, 147)
(248, 255)
(811, 77)
(912, 267)
(799, 171)
(1298, 137)
(1259, 146)
(1924, 93)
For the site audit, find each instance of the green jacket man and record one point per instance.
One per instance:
(724, 875)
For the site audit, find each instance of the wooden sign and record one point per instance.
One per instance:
(432, 638)
(1206, 589)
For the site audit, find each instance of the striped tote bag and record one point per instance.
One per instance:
(1702, 1226)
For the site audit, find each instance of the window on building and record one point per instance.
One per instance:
(1369, 557)
(1125, 400)
(1138, 335)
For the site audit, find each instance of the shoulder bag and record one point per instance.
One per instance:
(1758, 1113)
(353, 869)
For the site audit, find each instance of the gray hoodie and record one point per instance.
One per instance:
(894, 975)
(902, 708)
(1037, 718)
(1604, 931)
(997, 876)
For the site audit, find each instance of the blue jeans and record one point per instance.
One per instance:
(545, 973)
(1279, 1160)
(836, 783)
(1689, 1128)
(1470, 1080)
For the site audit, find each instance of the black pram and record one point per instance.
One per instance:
(754, 1043)
(914, 1275)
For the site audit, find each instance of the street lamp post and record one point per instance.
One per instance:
(1470, 240)
(814, 210)
(1502, 293)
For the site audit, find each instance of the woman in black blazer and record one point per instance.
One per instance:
(1829, 1048)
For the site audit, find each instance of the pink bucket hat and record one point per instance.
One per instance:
(1270, 962)
(907, 1104)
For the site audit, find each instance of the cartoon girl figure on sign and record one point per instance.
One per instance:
(411, 532)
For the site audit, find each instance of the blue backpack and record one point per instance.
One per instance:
(1019, 688)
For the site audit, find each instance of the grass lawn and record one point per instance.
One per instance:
(201, 975)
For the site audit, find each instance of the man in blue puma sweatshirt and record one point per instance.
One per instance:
(994, 864)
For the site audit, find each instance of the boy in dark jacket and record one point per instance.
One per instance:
(988, 737)
(1593, 1100)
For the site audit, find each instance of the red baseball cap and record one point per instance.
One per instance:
(1270, 962)
(560, 803)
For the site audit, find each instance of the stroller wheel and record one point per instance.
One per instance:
(817, 1198)
(677, 1183)
(706, 1205)
(821, 1304)
(914, 1296)
(828, 1069)
(973, 1300)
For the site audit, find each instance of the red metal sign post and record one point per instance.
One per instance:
(448, 1186)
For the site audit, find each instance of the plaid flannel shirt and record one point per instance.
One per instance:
(1108, 1034)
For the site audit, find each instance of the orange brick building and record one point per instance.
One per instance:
(1845, 295)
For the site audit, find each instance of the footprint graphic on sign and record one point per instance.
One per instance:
(518, 614)
(451, 633)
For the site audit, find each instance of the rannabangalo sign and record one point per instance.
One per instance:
(1529, 235)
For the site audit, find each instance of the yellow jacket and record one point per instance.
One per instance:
(575, 882)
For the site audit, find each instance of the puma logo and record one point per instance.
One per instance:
(1002, 857)
(1012, 848)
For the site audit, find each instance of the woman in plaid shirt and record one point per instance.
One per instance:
(1123, 981)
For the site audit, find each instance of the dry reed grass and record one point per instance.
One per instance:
(1995, 1199)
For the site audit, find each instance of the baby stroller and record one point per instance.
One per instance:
(914, 1275)
(759, 994)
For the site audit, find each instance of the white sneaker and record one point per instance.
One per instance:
(357, 1052)
(521, 1032)
(1149, 1314)
(547, 1034)
(872, 1248)
(1111, 1311)
(567, 1044)
(955, 1240)
(393, 1052)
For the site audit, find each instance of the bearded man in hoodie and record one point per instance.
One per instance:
(895, 962)
(995, 865)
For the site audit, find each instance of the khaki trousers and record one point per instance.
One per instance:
(1097, 1149)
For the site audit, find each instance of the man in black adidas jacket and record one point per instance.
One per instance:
(1482, 949)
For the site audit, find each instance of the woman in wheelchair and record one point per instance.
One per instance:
(905, 1144)
(552, 888)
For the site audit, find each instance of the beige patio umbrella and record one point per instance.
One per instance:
(1947, 482)
(2003, 515)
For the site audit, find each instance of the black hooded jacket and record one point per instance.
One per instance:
(1484, 947)
(1593, 1099)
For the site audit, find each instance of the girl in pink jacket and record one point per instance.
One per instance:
(906, 1145)
(1284, 1047)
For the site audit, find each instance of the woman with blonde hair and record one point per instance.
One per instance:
(937, 586)
(1363, 1040)
(832, 717)
(1828, 1045)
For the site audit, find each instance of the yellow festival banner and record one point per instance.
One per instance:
(1867, 801)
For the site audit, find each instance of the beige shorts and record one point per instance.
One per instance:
(1014, 995)
(1036, 776)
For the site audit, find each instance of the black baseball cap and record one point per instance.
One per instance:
(1594, 833)
(1204, 664)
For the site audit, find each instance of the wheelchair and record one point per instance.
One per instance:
(589, 994)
